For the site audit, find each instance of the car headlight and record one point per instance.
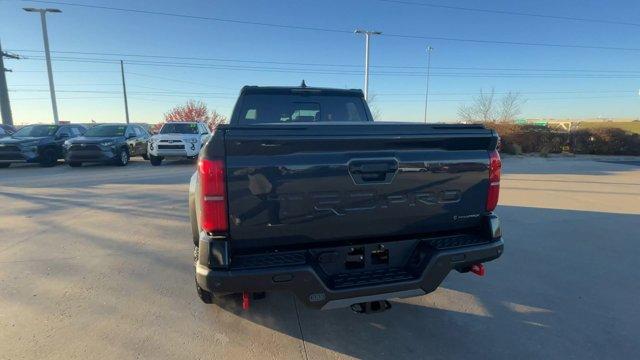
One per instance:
(107, 143)
(192, 140)
(67, 144)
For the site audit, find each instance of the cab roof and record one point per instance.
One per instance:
(287, 90)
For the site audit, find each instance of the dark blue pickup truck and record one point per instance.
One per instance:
(303, 192)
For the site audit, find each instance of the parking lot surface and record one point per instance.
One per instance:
(96, 262)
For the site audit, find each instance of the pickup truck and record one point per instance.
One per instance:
(303, 192)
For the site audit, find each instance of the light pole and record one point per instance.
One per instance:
(124, 90)
(367, 35)
(45, 37)
(426, 95)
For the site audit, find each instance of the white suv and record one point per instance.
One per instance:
(178, 140)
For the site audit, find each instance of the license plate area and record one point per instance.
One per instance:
(366, 264)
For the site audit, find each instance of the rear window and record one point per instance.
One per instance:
(269, 109)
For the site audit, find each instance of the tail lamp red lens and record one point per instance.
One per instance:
(495, 165)
(213, 202)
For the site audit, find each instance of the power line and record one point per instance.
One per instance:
(508, 12)
(120, 55)
(335, 30)
(569, 74)
(529, 99)
(232, 95)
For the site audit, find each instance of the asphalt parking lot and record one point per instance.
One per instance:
(96, 262)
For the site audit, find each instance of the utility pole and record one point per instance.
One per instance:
(47, 54)
(367, 35)
(5, 105)
(124, 90)
(426, 96)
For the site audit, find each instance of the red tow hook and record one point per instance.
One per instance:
(245, 300)
(478, 269)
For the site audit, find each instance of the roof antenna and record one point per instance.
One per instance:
(303, 85)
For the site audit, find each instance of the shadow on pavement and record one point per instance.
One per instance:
(565, 287)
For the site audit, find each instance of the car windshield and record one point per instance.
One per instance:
(36, 131)
(177, 128)
(106, 131)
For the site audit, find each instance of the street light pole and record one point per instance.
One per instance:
(367, 35)
(45, 37)
(124, 90)
(426, 96)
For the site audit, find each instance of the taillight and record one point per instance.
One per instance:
(213, 209)
(495, 164)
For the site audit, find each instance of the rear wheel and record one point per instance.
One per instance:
(48, 158)
(4, 165)
(204, 295)
(75, 164)
(123, 157)
(155, 160)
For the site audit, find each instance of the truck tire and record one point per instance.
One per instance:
(48, 158)
(155, 160)
(4, 165)
(75, 164)
(123, 157)
(204, 295)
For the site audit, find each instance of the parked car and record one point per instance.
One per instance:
(303, 192)
(107, 143)
(37, 144)
(178, 140)
(6, 130)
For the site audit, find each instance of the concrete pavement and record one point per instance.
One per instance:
(96, 262)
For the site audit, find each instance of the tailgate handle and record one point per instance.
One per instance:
(373, 171)
(373, 168)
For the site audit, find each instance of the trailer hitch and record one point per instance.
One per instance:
(371, 307)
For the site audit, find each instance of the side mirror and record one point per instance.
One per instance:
(131, 136)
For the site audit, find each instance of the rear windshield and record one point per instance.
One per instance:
(174, 128)
(267, 109)
(36, 131)
(106, 131)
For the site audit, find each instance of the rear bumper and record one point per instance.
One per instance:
(300, 273)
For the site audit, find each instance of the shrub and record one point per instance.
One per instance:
(605, 141)
(517, 139)
(528, 138)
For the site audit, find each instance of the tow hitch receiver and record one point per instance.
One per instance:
(478, 269)
(371, 307)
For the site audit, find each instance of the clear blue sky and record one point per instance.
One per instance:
(90, 90)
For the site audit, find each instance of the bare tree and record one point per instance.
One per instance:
(467, 113)
(510, 107)
(373, 107)
(484, 108)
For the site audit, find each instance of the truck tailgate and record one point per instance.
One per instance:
(301, 184)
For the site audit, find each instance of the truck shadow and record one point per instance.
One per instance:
(552, 295)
